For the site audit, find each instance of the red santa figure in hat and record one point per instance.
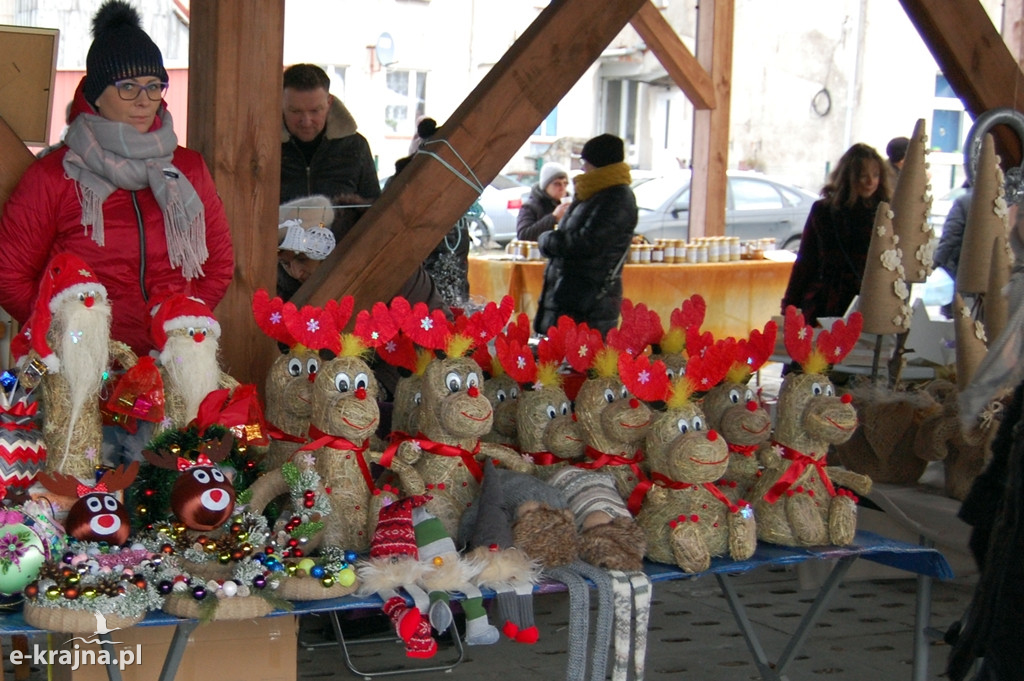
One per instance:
(66, 341)
(187, 336)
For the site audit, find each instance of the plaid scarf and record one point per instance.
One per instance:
(105, 155)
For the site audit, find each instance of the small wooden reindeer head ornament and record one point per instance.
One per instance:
(202, 497)
(98, 515)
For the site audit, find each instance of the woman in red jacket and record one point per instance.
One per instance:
(120, 193)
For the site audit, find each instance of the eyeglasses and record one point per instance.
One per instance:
(129, 90)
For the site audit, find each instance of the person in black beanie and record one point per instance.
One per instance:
(120, 193)
(583, 278)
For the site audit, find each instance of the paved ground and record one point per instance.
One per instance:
(866, 633)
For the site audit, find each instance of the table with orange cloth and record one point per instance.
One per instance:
(741, 295)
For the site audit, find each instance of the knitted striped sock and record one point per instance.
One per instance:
(479, 631)
(421, 644)
(579, 621)
(406, 620)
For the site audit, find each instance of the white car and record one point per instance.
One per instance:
(501, 200)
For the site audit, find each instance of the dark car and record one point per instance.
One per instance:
(757, 207)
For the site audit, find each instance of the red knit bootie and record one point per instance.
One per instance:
(421, 644)
(407, 620)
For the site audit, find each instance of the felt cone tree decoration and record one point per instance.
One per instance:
(795, 500)
(971, 342)
(986, 220)
(883, 290)
(911, 204)
(996, 304)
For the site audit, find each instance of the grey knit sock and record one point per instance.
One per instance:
(579, 621)
(479, 631)
(440, 614)
(622, 596)
(643, 591)
(605, 616)
(507, 611)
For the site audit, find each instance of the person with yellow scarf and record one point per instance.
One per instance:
(583, 278)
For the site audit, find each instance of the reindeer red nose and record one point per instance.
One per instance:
(312, 376)
(751, 405)
(89, 301)
(712, 435)
(360, 393)
(634, 403)
(473, 391)
(106, 520)
(199, 337)
(846, 399)
(216, 494)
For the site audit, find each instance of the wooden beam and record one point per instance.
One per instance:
(487, 129)
(711, 127)
(236, 52)
(683, 68)
(15, 158)
(974, 59)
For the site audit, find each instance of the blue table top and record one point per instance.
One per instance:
(897, 554)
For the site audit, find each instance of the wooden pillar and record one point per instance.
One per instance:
(1013, 28)
(236, 53)
(679, 62)
(422, 203)
(711, 126)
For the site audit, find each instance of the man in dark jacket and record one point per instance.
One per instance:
(583, 279)
(544, 208)
(321, 152)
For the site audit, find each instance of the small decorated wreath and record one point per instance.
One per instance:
(245, 594)
(301, 532)
(330, 575)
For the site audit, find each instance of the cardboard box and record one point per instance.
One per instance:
(245, 650)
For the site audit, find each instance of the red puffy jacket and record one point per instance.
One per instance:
(44, 216)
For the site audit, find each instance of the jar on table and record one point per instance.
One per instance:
(658, 254)
(714, 250)
(534, 250)
(634, 253)
(735, 249)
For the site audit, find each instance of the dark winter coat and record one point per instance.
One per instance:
(342, 164)
(44, 216)
(828, 269)
(582, 279)
(535, 216)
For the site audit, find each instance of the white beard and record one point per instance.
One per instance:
(82, 340)
(192, 370)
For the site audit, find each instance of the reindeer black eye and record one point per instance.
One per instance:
(671, 373)
(500, 396)
(418, 398)
(624, 392)
(609, 396)
(93, 504)
(698, 424)
(312, 366)
(472, 380)
(201, 476)
(734, 396)
(217, 475)
(362, 381)
(295, 366)
(514, 393)
(749, 396)
(683, 425)
(565, 408)
(343, 382)
(110, 503)
(816, 389)
(551, 411)
(829, 391)
(453, 382)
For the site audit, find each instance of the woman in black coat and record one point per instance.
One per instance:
(583, 277)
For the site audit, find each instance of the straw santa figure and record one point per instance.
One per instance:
(66, 341)
(187, 336)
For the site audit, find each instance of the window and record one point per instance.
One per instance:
(947, 129)
(407, 92)
(621, 103)
(753, 195)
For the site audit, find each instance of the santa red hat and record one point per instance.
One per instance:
(65, 278)
(179, 312)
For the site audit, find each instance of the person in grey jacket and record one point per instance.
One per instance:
(583, 278)
(947, 253)
(544, 208)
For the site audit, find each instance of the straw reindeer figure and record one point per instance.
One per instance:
(795, 500)
(732, 409)
(671, 347)
(411, 361)
(547, 429)
(344, 416)
(98, 515)
(686, 515)
(289, 387)
(454, 414)
(501, 389)
(202, 497)
(613, 421)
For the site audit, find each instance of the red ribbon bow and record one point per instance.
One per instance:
(745, 450)
(201, 460)
(599, 459)
(234, 409)
(799, 464)
(322, 439)
(439, 448)
(82, 490)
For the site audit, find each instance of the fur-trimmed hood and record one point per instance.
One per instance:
(340, 122)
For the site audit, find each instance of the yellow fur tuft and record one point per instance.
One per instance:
(423, 360)
(738, 373)
(682, 391)
(606, 364)
(459, 345)
(352, 346)
(673, 342)
(547, 374)
(816, 363)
